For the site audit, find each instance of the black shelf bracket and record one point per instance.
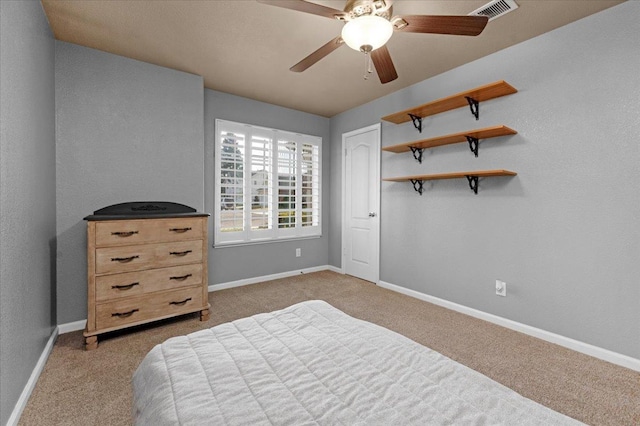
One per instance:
(473, 183)
(474, 106)
(417, 121)
(417, 153)
(473, 144)
(417, 185)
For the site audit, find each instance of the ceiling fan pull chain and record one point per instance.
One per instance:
(367, 65)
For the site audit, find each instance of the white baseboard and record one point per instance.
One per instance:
(578, 346)
(585, 348)
(255, 280)
(33, 379)
(71, 326)
(335, 269)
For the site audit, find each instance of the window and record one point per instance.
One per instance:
(267, 184)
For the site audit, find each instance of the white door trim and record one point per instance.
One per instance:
(344, 193)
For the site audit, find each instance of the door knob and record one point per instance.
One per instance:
(372, 214)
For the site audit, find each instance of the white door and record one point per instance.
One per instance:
(361, 203)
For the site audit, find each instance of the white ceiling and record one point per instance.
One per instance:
(246, 48)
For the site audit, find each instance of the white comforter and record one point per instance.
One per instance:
(313, 364)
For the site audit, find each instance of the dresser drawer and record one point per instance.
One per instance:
(129, 232)
(142, 308)
(129, 284)
(112, 260)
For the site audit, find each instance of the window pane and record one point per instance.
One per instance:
(287, 170)
(310, 185)
(261, 182)
(232, 182)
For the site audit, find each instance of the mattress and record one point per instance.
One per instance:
(313, 364)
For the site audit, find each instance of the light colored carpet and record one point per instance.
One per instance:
(81, 388)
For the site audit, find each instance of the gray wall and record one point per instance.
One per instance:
(235, 263)
(564, 233)
(126, 131)
(27, 194)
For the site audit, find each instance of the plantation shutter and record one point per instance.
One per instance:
(267, 184)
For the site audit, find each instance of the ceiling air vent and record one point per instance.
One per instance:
(495, 9)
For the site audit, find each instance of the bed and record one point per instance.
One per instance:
(313, 364)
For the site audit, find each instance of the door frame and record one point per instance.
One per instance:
(377, 184)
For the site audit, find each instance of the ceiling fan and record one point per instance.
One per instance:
(369, 24)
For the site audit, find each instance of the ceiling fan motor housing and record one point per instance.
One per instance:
(357, 8)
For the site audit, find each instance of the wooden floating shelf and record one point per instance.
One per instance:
(471, 136)
(470, 97)
(472, 177)
(453, 175)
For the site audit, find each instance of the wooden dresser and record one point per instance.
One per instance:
(145, 266)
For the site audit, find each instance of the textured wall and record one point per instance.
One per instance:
(126, 131)
(236, 263)
(564, 233)
(27, 194)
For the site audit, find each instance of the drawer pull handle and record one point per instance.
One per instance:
(125, 287)
(180, 253)
(180, 303)
(179, 230)
(124, 259)
(125, 314)
(124, 234)
(182, 278)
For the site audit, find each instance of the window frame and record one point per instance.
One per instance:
(274, 233)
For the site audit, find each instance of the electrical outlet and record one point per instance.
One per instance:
(298, 252)
(501, 288)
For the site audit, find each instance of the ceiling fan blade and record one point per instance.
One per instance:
(304, 6)
(384, 65)
(317, 55)
(440, 24)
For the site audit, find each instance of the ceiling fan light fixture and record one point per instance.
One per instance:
(367, 33)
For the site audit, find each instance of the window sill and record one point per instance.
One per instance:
(253, 243)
